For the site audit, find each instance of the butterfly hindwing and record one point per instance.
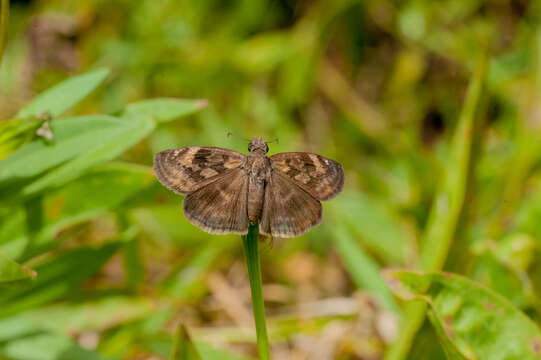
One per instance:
(288, 210)
(187, 169)
(220, 206)
(321, 177)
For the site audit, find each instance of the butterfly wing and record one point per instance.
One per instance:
(220, 207)
(321, 177)
(288, 210)
(187, 169)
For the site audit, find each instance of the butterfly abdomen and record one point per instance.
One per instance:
(258, 169)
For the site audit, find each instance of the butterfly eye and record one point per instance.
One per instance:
(266, 148)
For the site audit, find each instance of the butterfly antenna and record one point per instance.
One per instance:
(229, 134)
(270, 142)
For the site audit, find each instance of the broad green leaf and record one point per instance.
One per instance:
(63, 96)
(59, 277)
(80, 142)
(107, 150)
(183, 346)
(164, 109)
(474, 322)
(14, 133)
(72, 137)
(97, 191)
(48, 347)
(11, 272)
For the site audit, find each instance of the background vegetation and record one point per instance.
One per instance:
(432, 107)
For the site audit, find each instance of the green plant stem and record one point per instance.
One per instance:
(4, 16)
(254, 273)
(445, 211)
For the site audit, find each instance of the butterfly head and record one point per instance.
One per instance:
(258, 146)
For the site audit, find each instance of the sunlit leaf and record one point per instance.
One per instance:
(14, 133)
(58, 277)
(473, 321)
(84, 141)
(99, 190)
(63, 96)
(11, 272)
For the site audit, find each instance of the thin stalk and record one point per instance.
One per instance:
(445, 212)
(4, 15)
(251, 243)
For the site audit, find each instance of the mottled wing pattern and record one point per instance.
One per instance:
(220, 207)
(321, 177)
(289, 211)
(187, 169)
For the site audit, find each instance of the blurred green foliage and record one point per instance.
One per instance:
(432, 107)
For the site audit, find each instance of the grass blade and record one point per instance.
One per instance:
(445, 211)
(183, 346)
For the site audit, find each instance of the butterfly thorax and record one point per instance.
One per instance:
(258, 168)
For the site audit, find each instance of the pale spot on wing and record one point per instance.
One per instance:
(208, 172)
(233, 163)
(303, 177)
(189, 156)
(315, 160)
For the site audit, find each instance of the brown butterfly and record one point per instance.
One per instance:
(228, 191)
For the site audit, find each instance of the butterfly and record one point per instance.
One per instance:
(228, 191)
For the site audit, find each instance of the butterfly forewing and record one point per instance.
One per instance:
(321, 177)
(228, 190)
(220, 207)
(187, 169)
(289, 211)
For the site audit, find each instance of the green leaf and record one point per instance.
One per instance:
(183, 346)
(10, 271)
(58, 277)
(72, 137)
(63, 96)
(14, 133)
(164, 109)
(107, 150)
(364, 271)
(79, 143)
(102, 188)
(472, 321)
